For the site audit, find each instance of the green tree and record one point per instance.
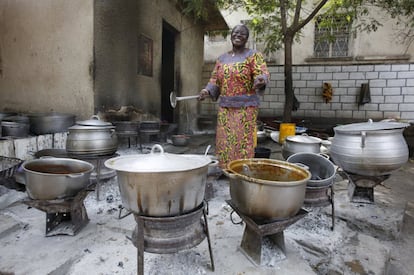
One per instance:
(278, 23)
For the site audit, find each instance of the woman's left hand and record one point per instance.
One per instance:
(259, 83)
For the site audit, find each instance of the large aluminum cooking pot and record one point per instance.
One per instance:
(92, 137)
(49, 123)
(161, 184)
(322, 169)
(300, 144)
(370, 148)
(55, 178)
(267, 188)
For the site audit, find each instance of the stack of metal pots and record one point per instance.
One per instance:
(92, 137)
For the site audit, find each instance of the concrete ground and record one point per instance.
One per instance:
(367, 238)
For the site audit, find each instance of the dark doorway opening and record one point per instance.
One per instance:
(168, 83)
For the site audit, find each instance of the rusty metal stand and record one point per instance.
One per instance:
(64, 216)
(361, 188)
(139, 242)
(99, 161)
(255, 231)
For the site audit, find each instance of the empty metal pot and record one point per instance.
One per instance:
(322, 169)
(49, 123)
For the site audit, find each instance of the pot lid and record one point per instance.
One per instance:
(94, 121)
(304, 139)
(371, 126)
(157, 162)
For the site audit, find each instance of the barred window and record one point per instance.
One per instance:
(332, 39)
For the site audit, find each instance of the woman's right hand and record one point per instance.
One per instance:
(203, 94)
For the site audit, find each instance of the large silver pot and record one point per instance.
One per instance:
(370, 148)
(267, 188)
(56, 178)
(49, 123)
(300, 144)
(92, 137)
(161, 184)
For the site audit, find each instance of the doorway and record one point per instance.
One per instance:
(168, 83)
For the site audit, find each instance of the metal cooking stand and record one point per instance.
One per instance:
(141, 245)
(255, 231)
(99, 159)
(361, 188)
(321, 197)
(63, 216)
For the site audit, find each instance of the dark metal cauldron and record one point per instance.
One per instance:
(49, 123)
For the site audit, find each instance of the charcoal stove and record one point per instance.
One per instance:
(63, 216)
(361, 187)
(257, 231)
(165, 235)
(128, 130)
(148, 129)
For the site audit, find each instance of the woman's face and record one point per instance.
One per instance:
(239, 36)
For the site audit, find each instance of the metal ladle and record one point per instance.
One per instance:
(174, 98)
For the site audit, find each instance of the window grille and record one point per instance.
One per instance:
(333, 40)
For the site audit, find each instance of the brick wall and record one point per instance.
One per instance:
(391, 89)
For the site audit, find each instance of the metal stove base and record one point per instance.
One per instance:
(256, 232)
(361, 188)
(65, 216)
(152, 235)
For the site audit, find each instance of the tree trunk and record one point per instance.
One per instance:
(289, 93)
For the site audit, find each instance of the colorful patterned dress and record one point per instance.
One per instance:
(232, 83)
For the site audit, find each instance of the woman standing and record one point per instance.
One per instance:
(238, 78)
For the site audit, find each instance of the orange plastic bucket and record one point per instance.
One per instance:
(285, 130)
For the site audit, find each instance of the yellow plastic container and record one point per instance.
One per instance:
(285, 130)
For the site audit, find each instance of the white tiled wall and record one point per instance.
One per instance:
(391, 88)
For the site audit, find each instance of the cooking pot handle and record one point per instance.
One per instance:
(75, 175)
(157, 146)
(363, 136)
(324, 155)
(95, 117)
(229, 174)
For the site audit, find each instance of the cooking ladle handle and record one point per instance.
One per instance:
(174, 98)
